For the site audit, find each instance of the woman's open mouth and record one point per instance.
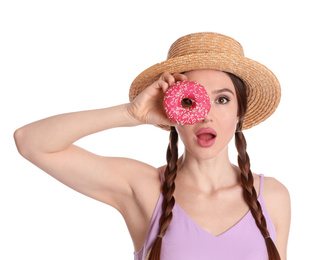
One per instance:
(206, 137)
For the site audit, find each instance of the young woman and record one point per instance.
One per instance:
(198, 206)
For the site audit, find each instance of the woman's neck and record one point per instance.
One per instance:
(209, 174)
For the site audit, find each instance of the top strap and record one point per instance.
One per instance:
(161, 178)
(261, 184)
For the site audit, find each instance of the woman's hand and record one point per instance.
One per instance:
(148, 107)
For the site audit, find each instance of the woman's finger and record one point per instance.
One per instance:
(163, 85)
(179, 77)
(167, 77)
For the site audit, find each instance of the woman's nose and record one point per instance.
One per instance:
(208, 118)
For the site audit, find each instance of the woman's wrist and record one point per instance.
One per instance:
(129, 118)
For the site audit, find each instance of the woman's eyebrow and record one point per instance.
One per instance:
(218, 91)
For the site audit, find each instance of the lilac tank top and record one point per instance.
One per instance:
(185, 239)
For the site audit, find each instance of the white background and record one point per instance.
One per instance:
(64, 56)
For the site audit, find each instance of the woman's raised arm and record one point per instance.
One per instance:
(49, 144)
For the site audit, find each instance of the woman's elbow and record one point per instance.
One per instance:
(22, 142)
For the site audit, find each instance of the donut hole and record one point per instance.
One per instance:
(187, 103)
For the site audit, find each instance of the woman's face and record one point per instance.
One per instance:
(210, 137)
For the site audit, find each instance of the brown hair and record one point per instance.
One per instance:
(249, 192)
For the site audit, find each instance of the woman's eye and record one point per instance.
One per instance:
(222, 100)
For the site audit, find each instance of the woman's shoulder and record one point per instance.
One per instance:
(270, 186)
(275, 190)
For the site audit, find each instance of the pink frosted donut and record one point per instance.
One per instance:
(186, 102)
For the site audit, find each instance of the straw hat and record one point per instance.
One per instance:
(216, 51)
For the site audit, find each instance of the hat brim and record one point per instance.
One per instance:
(263, 93)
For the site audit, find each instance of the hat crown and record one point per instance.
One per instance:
(205, 43)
